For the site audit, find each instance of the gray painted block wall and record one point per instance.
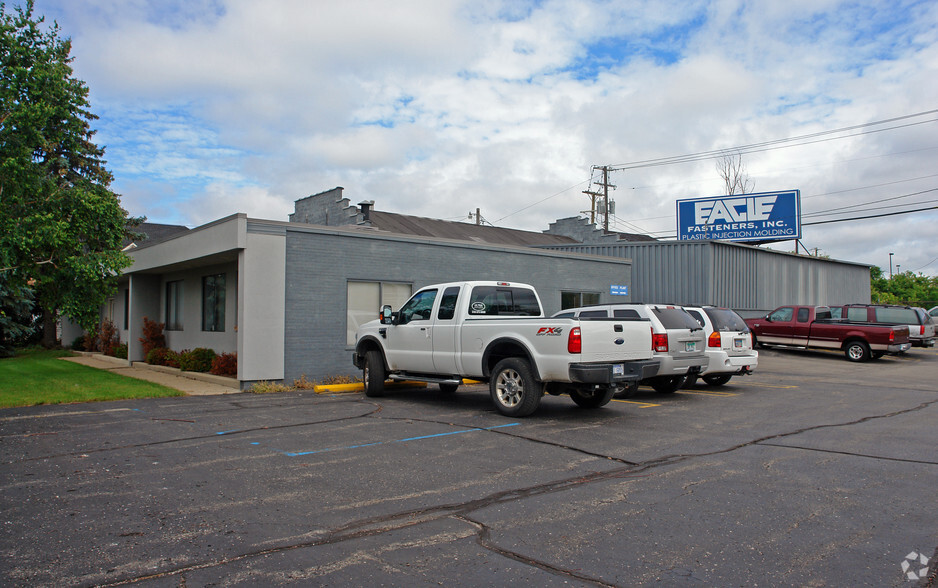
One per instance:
(319, 266)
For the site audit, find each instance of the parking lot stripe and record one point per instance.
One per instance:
(712, 393)
(300, 453)
(779, 386)
(641, 404)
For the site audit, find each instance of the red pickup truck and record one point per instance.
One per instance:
(812, 326)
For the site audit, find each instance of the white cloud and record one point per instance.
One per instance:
(435, 107)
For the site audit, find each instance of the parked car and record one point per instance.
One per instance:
(933, 312)
(496, 332)
(677, 340)
(729, 345)
(812, 326)
(921, 325)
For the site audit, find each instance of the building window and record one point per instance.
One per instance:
(213, 303)
(174, 306)
(578, 299)
(365, 300)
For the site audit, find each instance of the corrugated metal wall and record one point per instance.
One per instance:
(749, 279)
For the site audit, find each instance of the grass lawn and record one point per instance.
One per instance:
(38, 376)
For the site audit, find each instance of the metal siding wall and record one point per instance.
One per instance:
(319, 266)
(748, 279)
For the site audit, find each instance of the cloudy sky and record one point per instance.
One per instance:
(438, 107)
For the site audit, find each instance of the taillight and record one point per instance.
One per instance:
(892, 335)
(659, 342)
(921, 330)
(574, 341)
(715, 339)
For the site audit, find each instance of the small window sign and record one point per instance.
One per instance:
(616, 290)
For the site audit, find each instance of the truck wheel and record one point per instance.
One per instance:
(593, 398)
(717, 380)
(667, 384)
(857, 351)
(373, 373)
(514, 390)
(448, 388)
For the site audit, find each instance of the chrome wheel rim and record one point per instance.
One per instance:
(509, 387)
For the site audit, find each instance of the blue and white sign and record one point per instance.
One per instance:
(615, 290)
(767, 216)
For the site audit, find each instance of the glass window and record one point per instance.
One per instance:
(899, 316)
(503, 300)
(782, 315)
(626, 313)
(697, 316)
(174, 306)
(213, 303)
(419, 307)
(803, 314)
(725, 320)
(857, 313)
(365, 300)
(675, 318)
(594, 314)
(837, 312)
(448, 303)
(126, 309)
(578, 299)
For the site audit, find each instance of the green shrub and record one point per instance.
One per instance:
(225, 364)
(108, 337)
(78, 344)
(197, 360)
(120, 351)
(157, 356)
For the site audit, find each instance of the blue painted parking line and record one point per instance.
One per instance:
(300, 453)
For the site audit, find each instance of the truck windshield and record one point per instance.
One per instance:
(496, 300)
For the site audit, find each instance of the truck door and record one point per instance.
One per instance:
(445, 333)
(778, 326)
(410, 346)
(801, 327)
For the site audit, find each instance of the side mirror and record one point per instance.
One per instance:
(386, 315)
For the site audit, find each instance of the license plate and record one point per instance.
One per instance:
(618, 369)
(738, 343)
(690, 346)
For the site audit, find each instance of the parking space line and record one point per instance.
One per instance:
(421, 437)
(713, 393)
(641, 404)
(65, 414)
(779, 386)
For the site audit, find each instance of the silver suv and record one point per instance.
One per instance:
(729, 345)
(677, 339)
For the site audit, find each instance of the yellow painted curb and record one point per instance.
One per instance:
(358, 387)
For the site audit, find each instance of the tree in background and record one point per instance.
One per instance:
(61, 228)
(734, 174)
(905, 288)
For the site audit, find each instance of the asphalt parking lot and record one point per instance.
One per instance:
(812, 472)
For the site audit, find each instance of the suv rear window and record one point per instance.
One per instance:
(724, 319)
(497, 300)
(900, 316)
(675, 318)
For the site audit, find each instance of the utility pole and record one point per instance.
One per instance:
(605, 198)
(593, 196)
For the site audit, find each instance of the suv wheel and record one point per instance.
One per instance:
(667, 384)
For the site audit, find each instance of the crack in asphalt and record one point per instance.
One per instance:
(460, 511)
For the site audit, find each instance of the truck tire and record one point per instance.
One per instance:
(667, 384)
(373, 373)
(513, 388)
(857, 351)
(717, 380)
(593, 398)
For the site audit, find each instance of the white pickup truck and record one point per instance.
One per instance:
(497, 332)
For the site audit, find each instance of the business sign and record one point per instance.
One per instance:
(617, 290)
(767, 216)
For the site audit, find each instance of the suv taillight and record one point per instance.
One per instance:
(659, 342)
(921, 330)
(892, 335)
(574, 341)
(715, 339)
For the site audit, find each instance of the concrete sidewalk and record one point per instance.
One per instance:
(192, 383)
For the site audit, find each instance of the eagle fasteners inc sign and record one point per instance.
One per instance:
(767, 216)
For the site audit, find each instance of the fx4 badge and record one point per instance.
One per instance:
(550, 331)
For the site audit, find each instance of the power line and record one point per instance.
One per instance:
(841, 220)
(830, 211)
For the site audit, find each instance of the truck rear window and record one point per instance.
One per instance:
(498, 300)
